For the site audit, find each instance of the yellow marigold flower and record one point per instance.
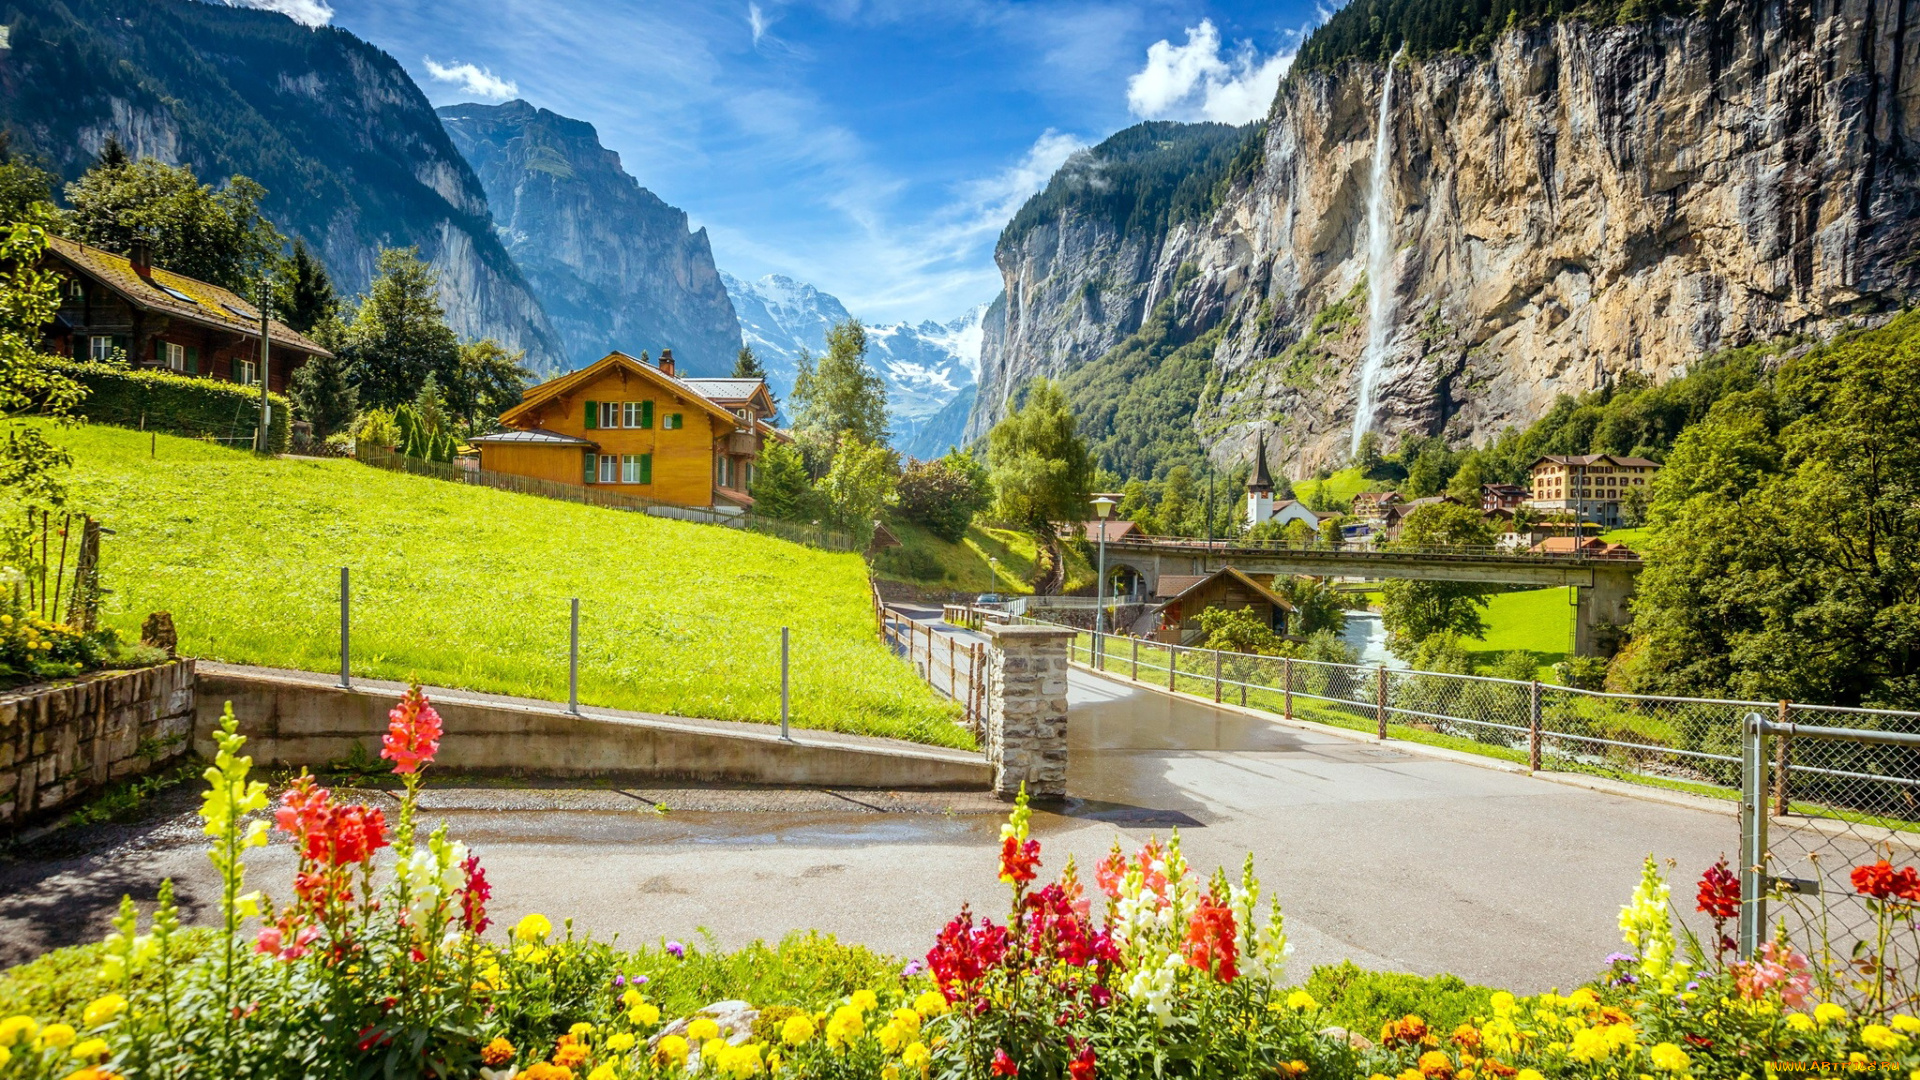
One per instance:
(601, 1072)
(889, 1072)
(1436, 1065)
(532, 927)
(621, 1042)
(1379, 1076)
(631, 998)
(646, 1014)
(671, 1049)
(1858, 1058)
(1882, 1038)
(57, 1035)
(1582, 998)
(797, 1030)
(580, 1030)
(1800, 1021)
(1529, 1074)
(1906, 1024)
(916, 1056)
(1410, 1074)
(1589, 1044)
(930, 1004)
(91, 1049)
(16, 1029)
(864, 1000)
(1464, 1074)
(1828, 1013)
(908, 1020)
(1668, 1056)
(105, 1008)
(702, 1028)
(1502, 1003)
(496, 1053)
(713, 1052)
(1301, 1000)
(891, 1037)
(846, 1025)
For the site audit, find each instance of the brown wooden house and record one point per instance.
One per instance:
(159, 319)
(1187, 595)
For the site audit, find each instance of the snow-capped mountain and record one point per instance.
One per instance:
(926, 365)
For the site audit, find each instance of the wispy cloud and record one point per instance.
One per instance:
(992, 201)
(473, 79)
(307, 12)
(757, 21)
(1201, 80)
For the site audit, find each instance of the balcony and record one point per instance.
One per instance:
(741, 444)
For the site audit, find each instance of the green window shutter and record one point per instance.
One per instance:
(646, 414)
(193, 359)
(587, 457)
(646, 468)
(593, 417)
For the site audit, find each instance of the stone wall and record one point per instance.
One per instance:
(60, 742)
(1026, 736)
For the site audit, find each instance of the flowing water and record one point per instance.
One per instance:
(1380, 292)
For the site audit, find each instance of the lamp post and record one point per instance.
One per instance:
(1102, 506)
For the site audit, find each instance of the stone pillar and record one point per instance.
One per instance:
(1026, 716)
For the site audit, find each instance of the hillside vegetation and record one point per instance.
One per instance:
(468, 587)
(1143, 179)
(1374, 29)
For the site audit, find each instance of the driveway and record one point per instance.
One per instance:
(1389, 859)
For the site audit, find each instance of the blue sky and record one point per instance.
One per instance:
(871, 147)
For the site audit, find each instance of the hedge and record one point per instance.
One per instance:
(177, 404)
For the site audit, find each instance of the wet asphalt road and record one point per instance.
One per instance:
(1389, 859)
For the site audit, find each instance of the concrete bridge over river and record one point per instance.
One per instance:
(1604, 583)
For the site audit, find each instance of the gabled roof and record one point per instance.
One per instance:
(732, 391)
(1593, 459)
(1281, 508)
(174, 294)
(535, 436)
(558, 387)
(1117, 529)
(1189, 583)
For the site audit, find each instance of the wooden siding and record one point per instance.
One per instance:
(560, 464)
(682, 457)
(144, 334)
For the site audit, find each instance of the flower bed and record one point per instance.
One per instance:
(379, 962)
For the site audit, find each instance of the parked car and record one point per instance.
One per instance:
(990, 599)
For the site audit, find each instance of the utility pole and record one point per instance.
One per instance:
(263, 442)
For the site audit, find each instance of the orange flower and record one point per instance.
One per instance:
(540, 1070)
(497, 1053)
(1409, 1030)
(569, 1053)
(1497, 1068)
(1436, 1065)
(1466, 1037)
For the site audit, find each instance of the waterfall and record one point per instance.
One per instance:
(1379, 262)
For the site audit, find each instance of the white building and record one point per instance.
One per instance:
(1261, 505)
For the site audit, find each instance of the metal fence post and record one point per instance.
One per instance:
(953, 670)
(1216, 676)
(786, 639)
(573, 660)
(1753, 834)
(1533, 726)
(1286, 687)
(346, 682)
(1380, 702)
(1782, 751)
(1136, 659)
(1173, 666)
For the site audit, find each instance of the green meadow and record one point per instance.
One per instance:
(469, 587)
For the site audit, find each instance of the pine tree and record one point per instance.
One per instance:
(112, 155)
(303, 292)
(399, 335)
(323, 396)
(747, 365)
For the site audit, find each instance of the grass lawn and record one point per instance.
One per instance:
(1540, 621)
(1341, 487)
(468, 587)
(1633, 538)
(931, 563)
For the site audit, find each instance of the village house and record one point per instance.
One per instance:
(637, 429)
(1498, 497)
(1185, 596)
(1587, 487)
(124, 305)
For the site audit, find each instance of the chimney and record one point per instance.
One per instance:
(666, 361)
(140, 254)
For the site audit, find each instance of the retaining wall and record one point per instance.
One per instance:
(292, 722)
(66, 740)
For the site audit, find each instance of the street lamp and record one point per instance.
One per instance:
(1102, 506)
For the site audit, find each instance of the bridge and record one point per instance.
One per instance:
(1603, 583)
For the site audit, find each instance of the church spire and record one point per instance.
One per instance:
(1260, 483)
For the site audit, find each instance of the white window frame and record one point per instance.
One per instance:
(673, 421)
(610, 414)
(174, 355)
(100, 347)
(76, 288)
(630, 414)
(249, 373)
(629, 468)
(609, 468)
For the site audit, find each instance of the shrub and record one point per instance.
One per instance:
(914, 564)
(943, 494)
(178, 404)
(1363, 1001)
(1582, 672)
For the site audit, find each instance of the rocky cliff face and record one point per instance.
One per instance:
(346, 145)
(615, 267)
(1575, 203)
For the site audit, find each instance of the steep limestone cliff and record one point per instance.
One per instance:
(346, 145)
(1572, 203)
(614, 265)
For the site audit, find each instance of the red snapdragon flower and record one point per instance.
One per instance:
(413, 732)
(329, 834)
(1109, 873)
(1081, 1067)
(1880, 880)
(1019, 863)
(1004, 1065)
(474, 895)
(1211, 940)
(1719, 892)
(964, 953)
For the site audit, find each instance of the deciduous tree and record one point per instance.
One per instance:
(1039, 462)
(399, 334)
(217, 235)
(1413, 611)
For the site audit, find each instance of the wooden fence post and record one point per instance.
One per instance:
(1380, 701)
(1781, 758)
(1216, 676)
(953, 671)
(1173, 665)
(1533, 726)
(1286, 682)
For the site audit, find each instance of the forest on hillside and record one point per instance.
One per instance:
(1148, 177)
(1372, 30)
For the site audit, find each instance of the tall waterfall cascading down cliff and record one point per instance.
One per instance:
(1380, 292)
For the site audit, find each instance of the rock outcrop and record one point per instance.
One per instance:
(1574, 203)
(613, 264)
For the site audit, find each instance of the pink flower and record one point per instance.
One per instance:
(474, 896)
(1780, 969)
(413, 732)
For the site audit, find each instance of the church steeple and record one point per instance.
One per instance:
(1261, 483)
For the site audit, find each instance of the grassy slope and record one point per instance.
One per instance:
(963, 567)
(1342, 486)
(1539, 621)
(469, 587)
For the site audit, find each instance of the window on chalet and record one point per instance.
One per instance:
(671, 421)
(174, 355)
(245, 373)
(636, 468)
(609, 468)
(101, 348)
(76, 288)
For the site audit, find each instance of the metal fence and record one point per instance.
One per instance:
(798, 532)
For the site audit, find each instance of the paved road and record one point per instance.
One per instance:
(1389, 859)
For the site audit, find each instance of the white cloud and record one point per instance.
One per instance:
(757, 19)
(306, 12)
(473, 79)
(995, 199)
(1200, 81)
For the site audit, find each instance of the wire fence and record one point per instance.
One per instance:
(951, 660)
(798, 532)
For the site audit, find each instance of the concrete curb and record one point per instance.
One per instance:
(293, 719)
(1724, 807)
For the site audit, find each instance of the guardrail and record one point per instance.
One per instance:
(1383, 552)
